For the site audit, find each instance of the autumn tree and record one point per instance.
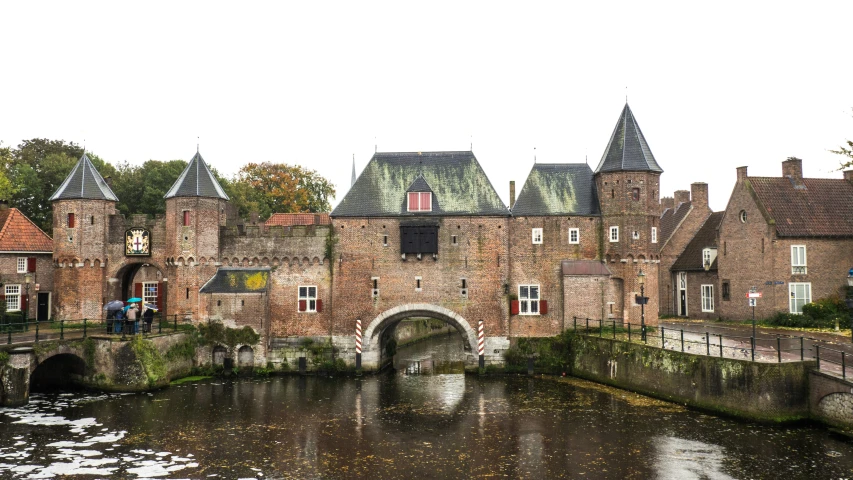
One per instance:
(279, 188)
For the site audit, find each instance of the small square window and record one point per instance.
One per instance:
(454, 239)
(798, 260)
(654, 234)
(307, 300)
(528, 299)
(574, 236)
(635, 235)
(22, 264)
(536, 233)
(614, 234)
(418, 281)
(635, 194)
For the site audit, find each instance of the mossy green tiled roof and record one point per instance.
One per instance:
(238, 280)
(458, 182)
(558, 189)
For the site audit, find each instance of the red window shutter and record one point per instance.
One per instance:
(543, 307)
(319, 305)
(25, 302)
(70, 220)
(31, 264)
(137, 290)
(303, 305)
(513, 307)
(413, 202)
(160, 296)
(426, 202)
(186, 218)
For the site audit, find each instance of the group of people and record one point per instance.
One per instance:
(130, 316)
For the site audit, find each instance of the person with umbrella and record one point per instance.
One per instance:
(132, 311)
(148, 316)
(114, 315)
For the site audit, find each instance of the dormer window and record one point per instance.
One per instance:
(708, 257)
(420, 202)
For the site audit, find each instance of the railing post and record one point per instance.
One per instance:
(802, 349)
(629, 332)
(843, 367)
(779, 349)
(62, 329)
(817, 354)
(575, 320)
(37, 332)
(600, 328)
(587, 326)
(721, 345)
(84, 327)
(176, 323)
(10, 334)
(160, 325)
(614, 329)
(662, 338)
(707, 344)
(682, 340)
(752, 340)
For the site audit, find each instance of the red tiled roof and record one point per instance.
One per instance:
(824, 208)
(291, 219)
(19, 234)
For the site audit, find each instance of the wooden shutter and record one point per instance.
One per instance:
(70, 220)
(319, 305)
(543, 307)
(186, 218)
(303, 305)
(25, 302)
(160, 296)
(137, 290)
(513, 307)
(31, 264)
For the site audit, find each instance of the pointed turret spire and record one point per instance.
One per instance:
(197, 181)
(84, 182)
(627, 149)
(352, 182)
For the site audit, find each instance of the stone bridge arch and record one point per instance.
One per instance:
(371, 348)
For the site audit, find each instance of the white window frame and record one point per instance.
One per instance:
(152, 299)
(798, 260)
(654, 234)
(528, 302)
(707, 298)
(310, 300)
(614, 234)
(13, 292)
(793, 301)
(420, 207)
(577, 233)
(536, 236)
(22, 264)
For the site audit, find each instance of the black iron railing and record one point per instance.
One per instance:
(15, 330)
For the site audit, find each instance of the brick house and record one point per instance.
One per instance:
(25, 254)
(694, 273)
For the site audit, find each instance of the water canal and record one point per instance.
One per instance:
(400, 426)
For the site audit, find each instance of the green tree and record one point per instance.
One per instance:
(279, 188)
(140, 189)
(846, 151)
(7, 188)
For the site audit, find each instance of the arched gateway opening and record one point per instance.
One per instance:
(377, 333)
(143, 280)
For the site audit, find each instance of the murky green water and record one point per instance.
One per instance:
(400, 426)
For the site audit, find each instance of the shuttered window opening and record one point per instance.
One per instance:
(529, 302)
(418, 239)
(308, 301)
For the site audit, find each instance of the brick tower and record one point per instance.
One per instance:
(628, 184)
(82, 206)
(195, 209)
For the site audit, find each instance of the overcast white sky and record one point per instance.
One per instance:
(714, 85)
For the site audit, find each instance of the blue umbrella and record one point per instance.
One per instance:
(134, 300)
(114, 305)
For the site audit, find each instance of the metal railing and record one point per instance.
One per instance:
(831, 360)
(700, 342)
(15, 331)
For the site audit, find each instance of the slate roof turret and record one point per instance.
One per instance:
(458, 182)
(558, 189)
(84, 182)
(627, 149)
(196, 181)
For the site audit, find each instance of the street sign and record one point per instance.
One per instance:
(753, 302)
(753, 295)
(37, 287)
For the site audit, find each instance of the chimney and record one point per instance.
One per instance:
(699, 194)
(741, 174)
(253, 217)
(109, 181)
(681, 196)
(792, 168)
(667, 203)
(848, 175)
(511, 193)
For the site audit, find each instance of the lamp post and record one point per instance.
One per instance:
(848, 299)
(28, 279)
(641, 279)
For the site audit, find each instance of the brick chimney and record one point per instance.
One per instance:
(699, 194)
(848, 175)
(792, 168)
(511, 193)
(741, 174)
(681, 196)
(667, 202)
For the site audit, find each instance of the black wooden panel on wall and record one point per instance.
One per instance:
(419, 239)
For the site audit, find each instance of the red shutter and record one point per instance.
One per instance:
(413, 202)
(513, 307)
(303, 305)
(160, 296)
(186, 218)
(70, 220)
(319, 305)
(25, 302)
(543, 307)
(137, 290)
(31, 264)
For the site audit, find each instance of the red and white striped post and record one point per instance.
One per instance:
(481, 344)
(358, 344)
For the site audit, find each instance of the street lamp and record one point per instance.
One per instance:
(848, 299)
(28, 279)
(641, 279)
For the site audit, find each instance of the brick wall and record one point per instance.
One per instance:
(43, 276)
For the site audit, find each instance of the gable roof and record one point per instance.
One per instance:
(84, 182)
(672, 218)
(196, 181)
(291, 219)
(19, 234)
(238, 280)
(456, 179)
(627, 149)
(558, 189)
(706, 236)
(824, 208)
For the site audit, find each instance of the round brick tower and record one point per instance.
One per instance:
(195, 209)
(82, 206)
(628, 184)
